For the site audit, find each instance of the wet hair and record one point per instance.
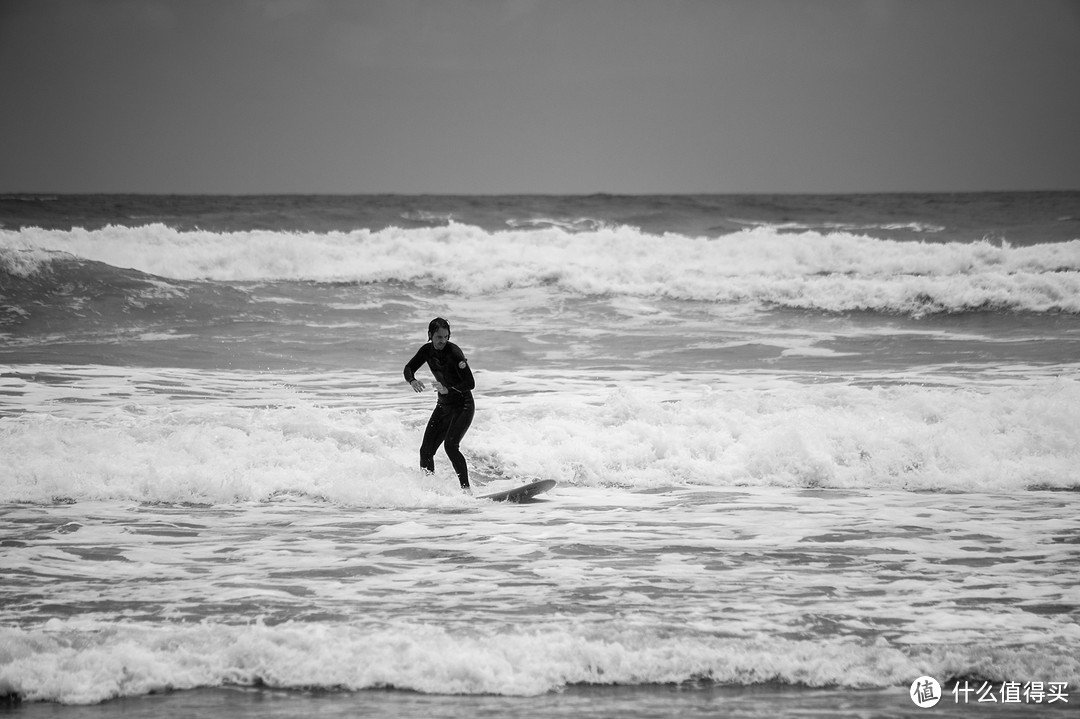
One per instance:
(437, 324)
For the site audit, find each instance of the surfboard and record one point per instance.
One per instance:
(524, 493)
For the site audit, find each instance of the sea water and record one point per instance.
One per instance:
(809, 450)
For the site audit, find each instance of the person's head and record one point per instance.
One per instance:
(438, 331)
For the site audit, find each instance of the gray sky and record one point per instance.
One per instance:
(550, 96)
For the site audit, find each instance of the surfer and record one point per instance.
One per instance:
(454, 409)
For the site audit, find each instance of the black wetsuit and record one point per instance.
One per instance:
(454, 411)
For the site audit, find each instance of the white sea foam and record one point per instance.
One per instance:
(596, 586)
(822, 598)
(20, 256)
(806, 498)
(67, 664)
(239, 437)
(835, 271)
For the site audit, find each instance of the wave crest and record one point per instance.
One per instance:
(836, 271)
(75, 663)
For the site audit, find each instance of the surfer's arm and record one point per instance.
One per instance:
(414, 364)
(466, 382)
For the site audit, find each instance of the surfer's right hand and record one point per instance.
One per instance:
(417, 385)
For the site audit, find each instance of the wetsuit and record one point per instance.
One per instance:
(453, 413)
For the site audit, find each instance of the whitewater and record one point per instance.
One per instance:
(803, 459)
(809, 270)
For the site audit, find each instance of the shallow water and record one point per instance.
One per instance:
(808, 451)
(818, 587)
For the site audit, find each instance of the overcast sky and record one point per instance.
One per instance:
(549, 96)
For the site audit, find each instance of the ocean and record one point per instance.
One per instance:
(813, 453)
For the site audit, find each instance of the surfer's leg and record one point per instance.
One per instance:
(433, 437)
(460, 421)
